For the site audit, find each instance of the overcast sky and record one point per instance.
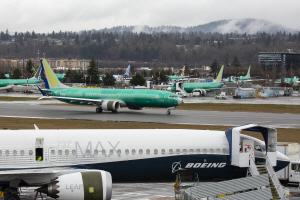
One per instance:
(44, 16)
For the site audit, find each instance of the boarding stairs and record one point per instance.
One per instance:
(278, 192)
(261, 181)
(181, 89)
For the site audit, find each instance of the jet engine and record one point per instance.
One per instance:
(111, 105)
(92, 185)
(136, 108)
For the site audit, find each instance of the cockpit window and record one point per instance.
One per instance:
(173, 96)
(260, 148)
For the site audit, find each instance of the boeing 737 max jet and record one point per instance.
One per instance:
(78, 164)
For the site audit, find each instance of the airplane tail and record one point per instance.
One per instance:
(51, 81)
(37, 74)
(248, 74)
(183, 70)
(220, 75)
(127, 71)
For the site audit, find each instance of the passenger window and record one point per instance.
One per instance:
(14, 152)
(133, 151)
(155, 151)
(198, 151)
(293, 166)
(111, 152)
(21, 152)
(73, 152)
(60, 152)
(52, 152)
(224, 151)
(0, 153)
(119, 151)
(66, 152)
(177, 151)
(170, 151)
(218, 151)
(204, 151)
(126, 151)
(141, 151)
(211, 151)
(184, 151)
(191, 151)
(95, 152)
(30, 152)
(148, 151)
(7, 152)
(163, 151)
(103, 152)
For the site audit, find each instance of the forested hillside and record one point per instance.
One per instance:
(175, 48)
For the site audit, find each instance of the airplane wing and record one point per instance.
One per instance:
(36, 176)
(84, 100)
(6, 87)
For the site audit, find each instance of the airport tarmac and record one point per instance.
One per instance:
(132, 191)
(151, 115)
(276, 100)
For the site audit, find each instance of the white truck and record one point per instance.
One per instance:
(291, 173)
(223, 95)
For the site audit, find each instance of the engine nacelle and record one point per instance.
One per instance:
(110, 105)
(136, 108)
(92, 185)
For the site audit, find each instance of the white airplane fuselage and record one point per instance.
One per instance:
(129, 155)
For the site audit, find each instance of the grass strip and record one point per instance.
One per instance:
(261, 108)
(283, 134)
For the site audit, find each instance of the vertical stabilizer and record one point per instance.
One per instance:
(127, 71)
(183, 70)
(51, 81)
(248, 74)
(37, 74)
(220, 75)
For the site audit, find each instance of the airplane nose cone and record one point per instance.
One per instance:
(180, 101)
(282, 161)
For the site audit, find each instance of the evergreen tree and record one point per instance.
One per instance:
(16, 74)
(2, 75)
(163, 77)
(108, 80)
(138, 80)
(29, 67)
(214, 67)
(226, 64)
(236, 62)
(77, 42)
(93, 72)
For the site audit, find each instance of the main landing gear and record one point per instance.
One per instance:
(99, 110)
(10, 194)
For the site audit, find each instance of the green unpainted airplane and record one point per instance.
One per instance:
(181, 76)
(7, 84)
(241, 78)
(288, 80)
(106, 99)
(189, 87)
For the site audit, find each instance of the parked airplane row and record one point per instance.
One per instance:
(81, 164)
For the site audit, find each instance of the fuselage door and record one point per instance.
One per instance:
(39, 149)
(52, 153)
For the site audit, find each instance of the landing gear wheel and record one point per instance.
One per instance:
(11, 197)
(98, 110)
(168, 112)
